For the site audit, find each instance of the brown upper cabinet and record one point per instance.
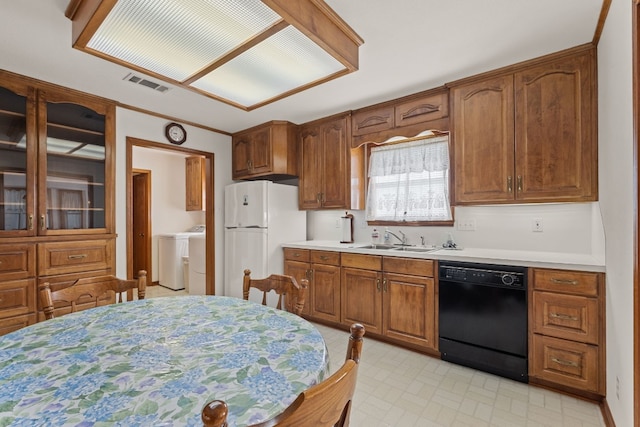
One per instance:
(327, 163)
(266, 150)
(527, 134)
(56, 167)
(195, 173)
(406, 116)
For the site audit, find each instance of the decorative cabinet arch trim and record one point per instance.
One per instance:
(421, 110)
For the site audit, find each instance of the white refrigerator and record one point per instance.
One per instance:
(259, 217)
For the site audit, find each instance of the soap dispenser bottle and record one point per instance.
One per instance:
(375, 237)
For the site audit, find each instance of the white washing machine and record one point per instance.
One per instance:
(197, 265)
(171, 250)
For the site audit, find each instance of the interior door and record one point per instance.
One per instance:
(141, 193)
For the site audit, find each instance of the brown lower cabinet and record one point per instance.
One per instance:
(567, 324)
(391, 296)
(322, 270)
(59, 263)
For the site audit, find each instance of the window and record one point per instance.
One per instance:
(409, 182)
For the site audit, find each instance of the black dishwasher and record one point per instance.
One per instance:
(483, 317)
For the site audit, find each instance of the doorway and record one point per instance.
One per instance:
(136, 188)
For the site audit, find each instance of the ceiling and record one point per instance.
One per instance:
(409, 46)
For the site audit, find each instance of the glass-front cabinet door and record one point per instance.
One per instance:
(17, 160)
(74, 178)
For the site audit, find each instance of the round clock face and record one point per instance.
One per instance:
(175, 133)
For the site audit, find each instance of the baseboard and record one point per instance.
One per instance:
(606, 413)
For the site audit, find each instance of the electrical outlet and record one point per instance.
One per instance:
(536, 225)
(468, 224)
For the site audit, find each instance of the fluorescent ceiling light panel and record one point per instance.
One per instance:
(240, 52)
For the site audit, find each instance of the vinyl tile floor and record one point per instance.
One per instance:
(399, 387)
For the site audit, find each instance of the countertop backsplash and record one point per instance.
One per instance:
(566, 228)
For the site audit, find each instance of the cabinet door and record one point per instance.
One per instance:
(195, 182)
(483, 119)
(325, 303)
(311, 173)
(75, 181)
(18, 142)
(300, 270)
(335, 190)
(362, 298)
(261, 151)
(556, 150)
(409, 309)
(372, 120)
(241, 154)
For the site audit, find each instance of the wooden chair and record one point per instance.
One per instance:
(88, 293)
(286, 287)
(327, 404)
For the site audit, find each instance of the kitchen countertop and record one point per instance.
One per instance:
(557, 260)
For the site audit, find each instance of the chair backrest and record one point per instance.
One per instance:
(286, 287)
(89, 292)
(327, 404)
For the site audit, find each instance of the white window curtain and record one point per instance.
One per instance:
(410, 181)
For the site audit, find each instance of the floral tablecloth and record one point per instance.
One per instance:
(156, 362)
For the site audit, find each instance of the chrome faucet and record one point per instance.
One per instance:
(403, 239)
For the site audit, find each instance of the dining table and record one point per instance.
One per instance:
(157, 362)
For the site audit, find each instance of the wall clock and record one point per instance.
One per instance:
(175, 133)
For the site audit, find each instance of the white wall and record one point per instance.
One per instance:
(615, 137)
(143, 126)
(567, 228)
(168, 194)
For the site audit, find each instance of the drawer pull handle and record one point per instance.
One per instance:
(296, 255)
(562, 316)
(564, 281)
(324, 257)
(564, 362)
(80, 256)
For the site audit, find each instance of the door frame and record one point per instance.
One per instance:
(147, 232)
(636, 196)
(209, 203)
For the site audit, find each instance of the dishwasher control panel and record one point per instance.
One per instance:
(485, 274)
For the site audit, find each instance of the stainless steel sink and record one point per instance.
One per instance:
(399, 248)
(379, 246)
(415, 249)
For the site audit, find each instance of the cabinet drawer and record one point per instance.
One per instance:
(17, 261)
(422, 110)
(570, 282)
(415, 267)
(17, 297)
(72, 257)
(565, 362)
(364, 262)
(372, 120)
(11, 324)
(566, 316)
(296, 254)
(325, 257)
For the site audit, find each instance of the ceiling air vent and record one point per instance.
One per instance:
(144, 82)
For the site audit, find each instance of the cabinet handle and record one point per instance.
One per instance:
(564, 362)
(249, 166)
(324, 257)
(30, 222)
(319, 197)
(519, 183)
(310, 275)
(510, 184)
(42, 223)
(564, 281)
(384, 284)
(378, 284)
(296, 255)
(562, 316)
(79, 256)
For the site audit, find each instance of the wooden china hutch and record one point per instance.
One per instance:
(56, 192)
